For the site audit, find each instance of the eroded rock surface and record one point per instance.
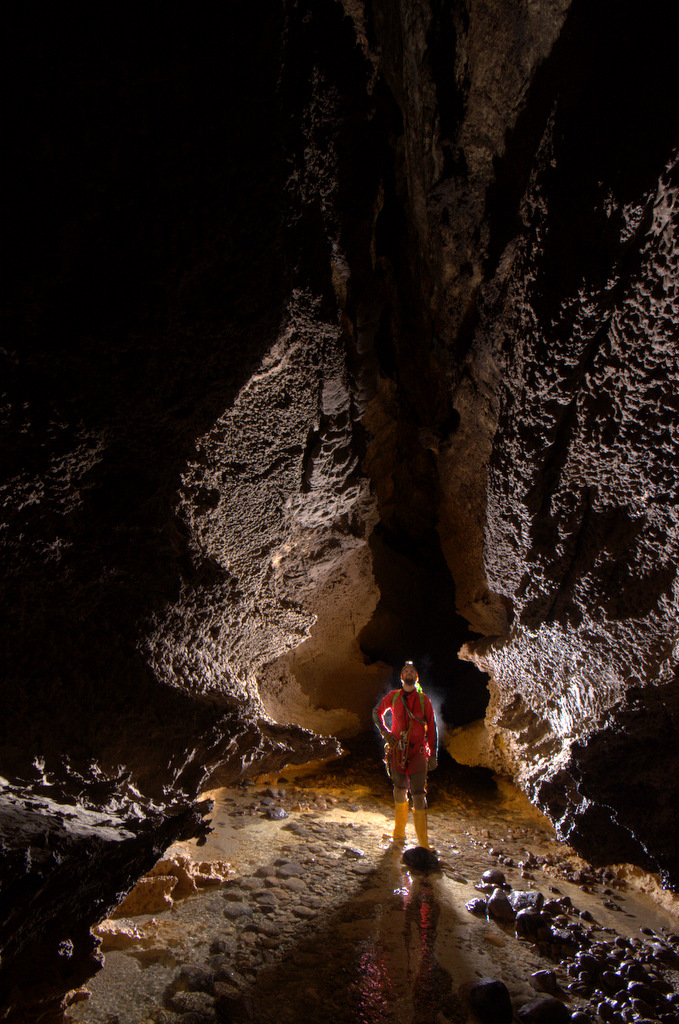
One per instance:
(536, 198)
(581, 532)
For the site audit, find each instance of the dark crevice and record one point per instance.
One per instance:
(609, 125)
(442, 38)
(416, 620)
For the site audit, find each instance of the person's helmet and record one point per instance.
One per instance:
(409, 672)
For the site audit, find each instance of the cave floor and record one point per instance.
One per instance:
(340, 929)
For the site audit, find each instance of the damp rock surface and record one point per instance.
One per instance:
(296, 933)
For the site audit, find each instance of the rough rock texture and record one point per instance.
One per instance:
(581, 534)
(160, 305)
(537, 179)
(332, 331)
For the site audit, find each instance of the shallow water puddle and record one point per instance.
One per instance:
(321, 920)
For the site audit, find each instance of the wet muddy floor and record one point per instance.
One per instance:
(320, 919)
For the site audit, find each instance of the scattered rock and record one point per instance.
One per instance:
(288, 869)
(420, 859)
(294, 884)
(362, 869)
(611, 981)
(564, 938)
(234, 911)
(247, 884)
(228, 1001)
(528, 924)
(306, 912)
(491, 1002)
(546, 1010)
(457, 877)
(494, 877)
(477, 907)
(194, 978)
(353, 853)
(225, 973)
(218, 946)
(530, 899)
(192, 1002)
(266, 900)
(545, 981)
(499, 906)
(262, 926)
(265, 871)
(637, 990)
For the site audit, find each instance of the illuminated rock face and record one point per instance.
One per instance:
(542, 203)
(180, 470)
(581, 531)
(543, 185)
(322, 326)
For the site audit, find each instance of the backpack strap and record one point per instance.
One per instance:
(423, 720)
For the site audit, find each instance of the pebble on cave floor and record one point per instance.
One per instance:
(322, 921)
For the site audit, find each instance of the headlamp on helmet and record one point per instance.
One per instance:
(409, 673)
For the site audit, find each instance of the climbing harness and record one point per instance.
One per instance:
(403, 745)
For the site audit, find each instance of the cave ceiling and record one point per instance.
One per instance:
(335, 334)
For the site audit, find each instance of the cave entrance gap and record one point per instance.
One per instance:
(416, 620)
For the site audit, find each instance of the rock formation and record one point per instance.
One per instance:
(333, 333)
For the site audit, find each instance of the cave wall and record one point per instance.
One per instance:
(532, 282)
(334, 331)
(580, 536)
(517, 330)
(179, 467)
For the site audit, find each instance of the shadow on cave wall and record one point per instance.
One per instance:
(416, 620)
(610, 81)
(631, 781)
(146, 183)
(154, 249)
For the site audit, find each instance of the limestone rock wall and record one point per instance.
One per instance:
(179, 461)
(578, 327)
(534, 200)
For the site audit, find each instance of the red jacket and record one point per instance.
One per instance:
(400, 719)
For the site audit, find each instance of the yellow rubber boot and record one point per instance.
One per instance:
(400, 819)
(420, 819)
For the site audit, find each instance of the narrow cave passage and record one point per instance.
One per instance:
(302, 908)
(314, 308)
(416, 620)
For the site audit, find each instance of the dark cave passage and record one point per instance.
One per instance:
(336, 335)
(416, 620)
